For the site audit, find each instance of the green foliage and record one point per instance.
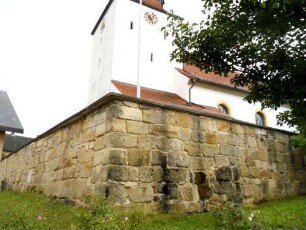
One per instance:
(102, 214)
(36, 211)
(263, 41)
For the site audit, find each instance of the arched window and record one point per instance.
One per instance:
(223, 109)
(260, 119)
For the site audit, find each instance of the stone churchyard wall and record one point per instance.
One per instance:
(137, 152)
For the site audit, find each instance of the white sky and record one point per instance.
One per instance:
(45, 53)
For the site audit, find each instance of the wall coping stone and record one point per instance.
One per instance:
(115, 96)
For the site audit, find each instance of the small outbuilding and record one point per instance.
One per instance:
(9, 121)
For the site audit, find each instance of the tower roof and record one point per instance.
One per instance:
(9, 120)
(158, 4)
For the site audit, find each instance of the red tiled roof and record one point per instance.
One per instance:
(160, 96)
(196, 73)
(154, 3)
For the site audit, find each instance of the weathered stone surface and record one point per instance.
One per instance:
(122, 173)
(133, 153)
(121, 140)
(186, 192)
(163, 130)
(210, 150)
(193, 149)
(178, 159)
(151, 174)
(117, 193)
(141, 194)
(224, 173)
(117, 156)
(136, 127)
(154, 116)
(177, 175)
(159, 158)
(138, 157)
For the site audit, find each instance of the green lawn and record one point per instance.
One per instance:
(35, 211)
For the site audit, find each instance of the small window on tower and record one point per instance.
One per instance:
(132, 25)
(223, 109)
(260, 119)
(152, 58)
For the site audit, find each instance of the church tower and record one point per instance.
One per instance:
(115, 48)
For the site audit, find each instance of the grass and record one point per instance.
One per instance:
(35, 211)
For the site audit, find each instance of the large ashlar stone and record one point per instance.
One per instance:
(186, 192)
(177, 175)
(208, 124)
(163, 130)
(193, 149)
(122, 173)
(224, 173)
(210, 138)
(210, 150)
(151, 174)
(223, 126)
(136, 127)
(159, 158)
(121, 140)
(176, 144)
(184, 134)
(138, 157)
(124, 112)
(154, 116)
(197, 163)
(117, 192)
(178, 159)
(221, 160)
(180, 120)
(141, 194)
(117, 156)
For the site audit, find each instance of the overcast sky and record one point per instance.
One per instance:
(45, 53)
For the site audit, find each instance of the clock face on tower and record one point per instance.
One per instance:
(150, 17)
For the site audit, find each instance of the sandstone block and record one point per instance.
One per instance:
(208, 124)
(221, 160)
(101, 158)
(117, 156)
(151, 174)
(186, 193)
(163, 130)
(176, 144)
(254, 172)
(197, 136)
(193, 149)
(223, 126)
(136, 127)
(210, 138)
(177, 175)
(121, 140)
(154, 116)
(141, 194)
(224, 173)
(68, 173)
(99, 174)
(159, 158)
(122, 173)
(180, 119)
(117, 193)
(146, 141)
(210, 150)
(138, 157)
(89, 135)
(184, 134)
(79, 187)
(178, 159)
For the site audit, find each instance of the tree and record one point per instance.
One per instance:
(262, 41)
